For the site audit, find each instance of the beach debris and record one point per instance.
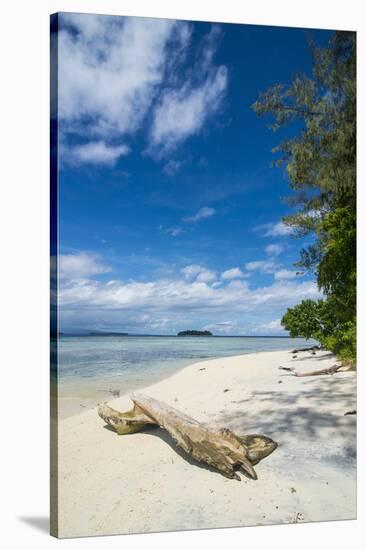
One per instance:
(127, 422)
(330, 370)
(294, 357)
(280, 382)
(299, 517)
(115, 393)
(221, 449)
(226, 389)
(203, 368)
(350, 412)
(312, 348)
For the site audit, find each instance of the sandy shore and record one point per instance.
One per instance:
(142, 483)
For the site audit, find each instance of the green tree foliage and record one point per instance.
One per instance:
(337, 267)
(320, 320)
(320, 161)
(310, 319)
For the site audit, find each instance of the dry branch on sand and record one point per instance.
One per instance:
(329, 370)
(219, 448)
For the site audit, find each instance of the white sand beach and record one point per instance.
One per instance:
(141, 482)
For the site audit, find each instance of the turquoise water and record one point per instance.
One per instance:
(134, 361)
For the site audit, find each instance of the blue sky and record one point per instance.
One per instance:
(170, 212)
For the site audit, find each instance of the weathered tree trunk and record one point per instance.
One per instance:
(127, 422)
(220, 448)
(311, 348)
(329, 370)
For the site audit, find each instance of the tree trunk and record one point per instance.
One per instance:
(329, 370)
(127, 422)
(220, 448)
(312, 348)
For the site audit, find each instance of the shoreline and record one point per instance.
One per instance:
(88, 403)
(143, 483)
(77, 393)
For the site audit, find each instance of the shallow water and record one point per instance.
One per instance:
(93, 369)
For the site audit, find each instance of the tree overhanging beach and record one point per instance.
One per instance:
(320, 162)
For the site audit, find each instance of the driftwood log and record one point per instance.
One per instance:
(329, 370)
(220, 448)
(320, 372)
(311, 348)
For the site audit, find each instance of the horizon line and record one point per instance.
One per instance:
(111, 333)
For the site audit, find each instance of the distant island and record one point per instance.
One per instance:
(195, 333)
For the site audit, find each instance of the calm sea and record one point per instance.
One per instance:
(99, 368)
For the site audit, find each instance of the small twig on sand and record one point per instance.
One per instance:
(350, 412)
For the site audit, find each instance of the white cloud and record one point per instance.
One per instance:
(264, 266)
(172, 167)
(206, 276)
(274, 249)
(182, 112)
(109, 70)
(191, 270)
(199, 273)
(278, 229)
(80, 266)
(171, 295)
(174, 231)
(184, 109)
(114, 71)
(170, 302)
(224, 327)
(96, 152)
(233, 273)
(202, 213)
(286, 274)
(270, 326)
